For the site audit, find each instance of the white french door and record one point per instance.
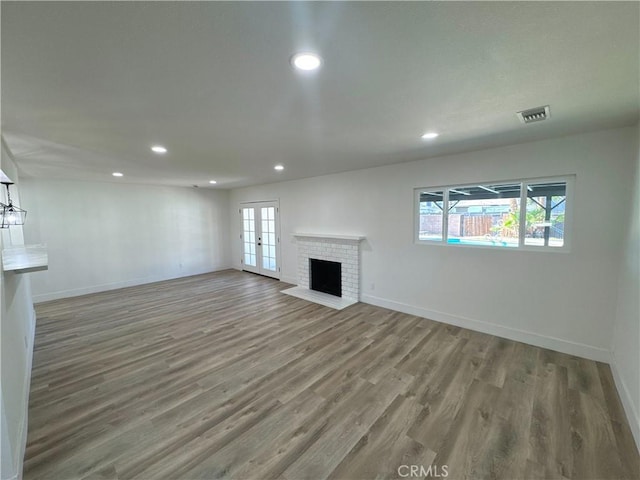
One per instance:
(261, 238)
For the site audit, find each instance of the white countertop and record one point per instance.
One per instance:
(25, 258)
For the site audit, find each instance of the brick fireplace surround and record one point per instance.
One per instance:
(344, 249)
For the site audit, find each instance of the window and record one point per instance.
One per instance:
(546, 206)
(431, 208)
(491, 214)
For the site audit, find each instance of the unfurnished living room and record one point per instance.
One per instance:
(320, 240)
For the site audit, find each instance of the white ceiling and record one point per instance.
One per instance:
(87, 87)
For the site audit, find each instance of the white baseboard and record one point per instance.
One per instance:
(291, 280)
(633, 416)
(74, 292)
(552, 343)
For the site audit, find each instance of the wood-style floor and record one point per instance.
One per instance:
(221, 376)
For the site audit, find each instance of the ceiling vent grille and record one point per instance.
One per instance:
(534, 114)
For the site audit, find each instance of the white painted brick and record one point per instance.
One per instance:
(346, 252)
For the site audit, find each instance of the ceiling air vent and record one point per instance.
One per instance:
(534, 114)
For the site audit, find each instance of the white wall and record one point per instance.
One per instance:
(110, 235)
(17, 331)
(564, 301)
(626, 338)
(7, 461)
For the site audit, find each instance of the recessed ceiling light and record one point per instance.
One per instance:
(158, 149)
(430, 135)
(306, 61)
(116, 174)
(212, 182)
(278, 168)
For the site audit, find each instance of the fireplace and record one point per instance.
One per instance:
(325, 276)
(339, 259)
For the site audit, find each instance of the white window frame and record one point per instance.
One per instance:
(568, 220)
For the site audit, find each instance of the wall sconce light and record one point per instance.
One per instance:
(11, 214)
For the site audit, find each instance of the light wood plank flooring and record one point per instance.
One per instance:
(221, 376)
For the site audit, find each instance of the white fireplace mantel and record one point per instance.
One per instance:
(354, 238)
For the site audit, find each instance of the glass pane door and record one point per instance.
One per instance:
(249, 243)
(260, 242)
(268, 215)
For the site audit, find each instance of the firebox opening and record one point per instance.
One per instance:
(325, 276)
